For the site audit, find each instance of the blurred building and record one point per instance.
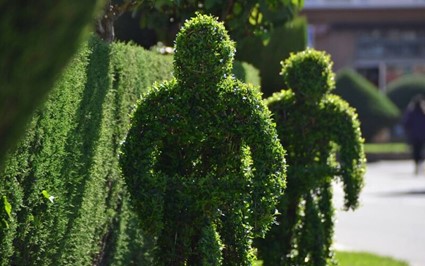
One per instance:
(381, 39)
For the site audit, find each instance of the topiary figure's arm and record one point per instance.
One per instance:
(268, 162)
(138, 157)
(347, 134)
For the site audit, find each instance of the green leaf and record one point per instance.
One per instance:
(7, 207)
(45, 194)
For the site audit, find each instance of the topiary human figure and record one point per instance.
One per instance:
(321, 135)
(202, 160)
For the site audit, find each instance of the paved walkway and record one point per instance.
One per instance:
(391, 218)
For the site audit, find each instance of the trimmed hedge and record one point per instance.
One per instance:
(37, 41)
(63, 197)
(402, 90)
(375, 110)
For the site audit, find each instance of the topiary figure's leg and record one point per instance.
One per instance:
(208, 248)
(236, 238)
(327, 213)
(280, 238)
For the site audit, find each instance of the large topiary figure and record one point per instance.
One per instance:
(202, 159)
(375, 110)
(322, 137)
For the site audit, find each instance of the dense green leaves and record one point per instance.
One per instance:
(322, 137)
(202, 159)
(68, 201)
(241, 17)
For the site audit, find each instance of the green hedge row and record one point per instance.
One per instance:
(62, 199)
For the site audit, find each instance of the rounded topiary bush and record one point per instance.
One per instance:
(402, 90)
(202, 159)
(322, 137)
(246, 72)
(375, 110)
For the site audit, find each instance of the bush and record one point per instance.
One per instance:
(37, 41)
(202, 160)
(322, 137)
(291, 37)
(402, 90)
(246, 73)
(375, 110)
(68, 202)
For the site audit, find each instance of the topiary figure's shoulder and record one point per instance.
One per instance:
(236, 92)
(282, 99)
(158, 92)
(156, 101)
(334, 104)
(340, 118)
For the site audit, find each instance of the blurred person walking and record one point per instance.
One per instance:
(414, 126)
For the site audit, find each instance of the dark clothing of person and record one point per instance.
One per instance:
(414, 126)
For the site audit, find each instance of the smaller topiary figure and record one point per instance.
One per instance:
(202, 159)
(322, 137)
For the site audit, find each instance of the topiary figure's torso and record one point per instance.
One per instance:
(321, 135)
(202, 160)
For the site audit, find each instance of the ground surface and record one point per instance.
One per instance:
(391, 218)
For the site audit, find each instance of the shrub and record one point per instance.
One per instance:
(375, 110)
(37, 41)
(291, 37)
(402, 90)
(322, 137)
(246, 73)
(67, 198)
(202, 160)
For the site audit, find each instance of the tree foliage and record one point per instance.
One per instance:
(322, 137)
(202, 159)
(241, 17)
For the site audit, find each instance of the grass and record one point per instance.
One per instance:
(346, 258)
(366, 259)
(397, 147)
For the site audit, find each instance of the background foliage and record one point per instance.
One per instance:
(241, 17)
(375, 110)
(266, 57)
(402, 90)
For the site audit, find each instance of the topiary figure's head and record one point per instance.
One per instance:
(309, 74)
(203, 51)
